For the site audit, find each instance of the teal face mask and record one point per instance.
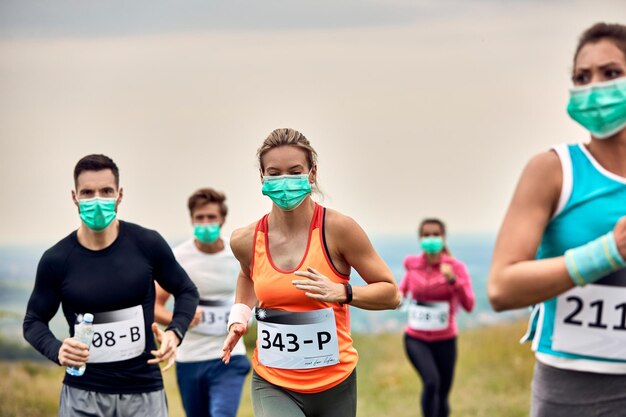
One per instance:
(97, 213)
(432, 244)
(287, 191)
(206, 233)
(600, 108)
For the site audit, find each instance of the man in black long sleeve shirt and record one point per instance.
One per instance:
(108, 267)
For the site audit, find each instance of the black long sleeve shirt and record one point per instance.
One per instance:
(118, 277)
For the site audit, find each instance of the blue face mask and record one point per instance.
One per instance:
(600, 108)
(97, 213)
(206, 232)
(286, 191)
(432, 244)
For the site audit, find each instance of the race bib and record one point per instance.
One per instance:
(118, 335)
(290, 340)
(433, 315)
(591, 321)
(214, 318)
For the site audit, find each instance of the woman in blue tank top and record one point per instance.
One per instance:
(562, 244)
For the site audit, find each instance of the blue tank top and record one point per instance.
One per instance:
(592, 201)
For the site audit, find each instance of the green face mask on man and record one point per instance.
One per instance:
(206, 232)
(600, 108)
(97, 213)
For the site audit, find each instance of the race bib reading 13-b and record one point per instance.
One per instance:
(214, 317)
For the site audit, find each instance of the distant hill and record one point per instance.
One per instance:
(18, 265)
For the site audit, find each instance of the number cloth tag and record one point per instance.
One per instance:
(214, 317)
(429, 316)
(118, 335)
(303, 340)
(591, 321)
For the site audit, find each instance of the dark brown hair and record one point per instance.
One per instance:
(613, 32)
(207, 195)
(96, 162)
(432, 220)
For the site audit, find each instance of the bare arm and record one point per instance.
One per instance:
(516, 279)
(241, 245)
(245, 290)
(353, 245)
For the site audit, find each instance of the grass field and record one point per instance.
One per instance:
(492, 379)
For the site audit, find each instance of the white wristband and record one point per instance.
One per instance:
(239, 313)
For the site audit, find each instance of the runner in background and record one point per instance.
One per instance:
(208, 387)
(107, 268)
(296, 263)
(435, 284)
(562, 244)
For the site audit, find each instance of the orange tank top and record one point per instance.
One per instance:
(274, 290)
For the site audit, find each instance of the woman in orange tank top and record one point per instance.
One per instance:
(295, 268)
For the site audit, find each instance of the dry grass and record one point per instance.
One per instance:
(29, 389)
(492, 376)
(492, 379)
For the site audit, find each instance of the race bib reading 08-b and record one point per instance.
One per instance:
(118, 335)
(297, 340)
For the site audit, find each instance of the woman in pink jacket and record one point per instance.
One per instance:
(435, 284)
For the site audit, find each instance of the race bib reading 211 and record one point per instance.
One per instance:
(297, 340)
(118, 335)
(591, 321)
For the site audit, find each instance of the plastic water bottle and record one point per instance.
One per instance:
(83, 333)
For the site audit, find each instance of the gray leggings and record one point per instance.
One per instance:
(564, 393)
(80, 403)
(269, 400)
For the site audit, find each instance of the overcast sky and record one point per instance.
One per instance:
(416, 108)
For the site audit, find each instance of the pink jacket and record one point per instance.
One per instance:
(425, 283)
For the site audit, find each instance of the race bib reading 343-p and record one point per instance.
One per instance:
(118, 335)
(297, 340)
